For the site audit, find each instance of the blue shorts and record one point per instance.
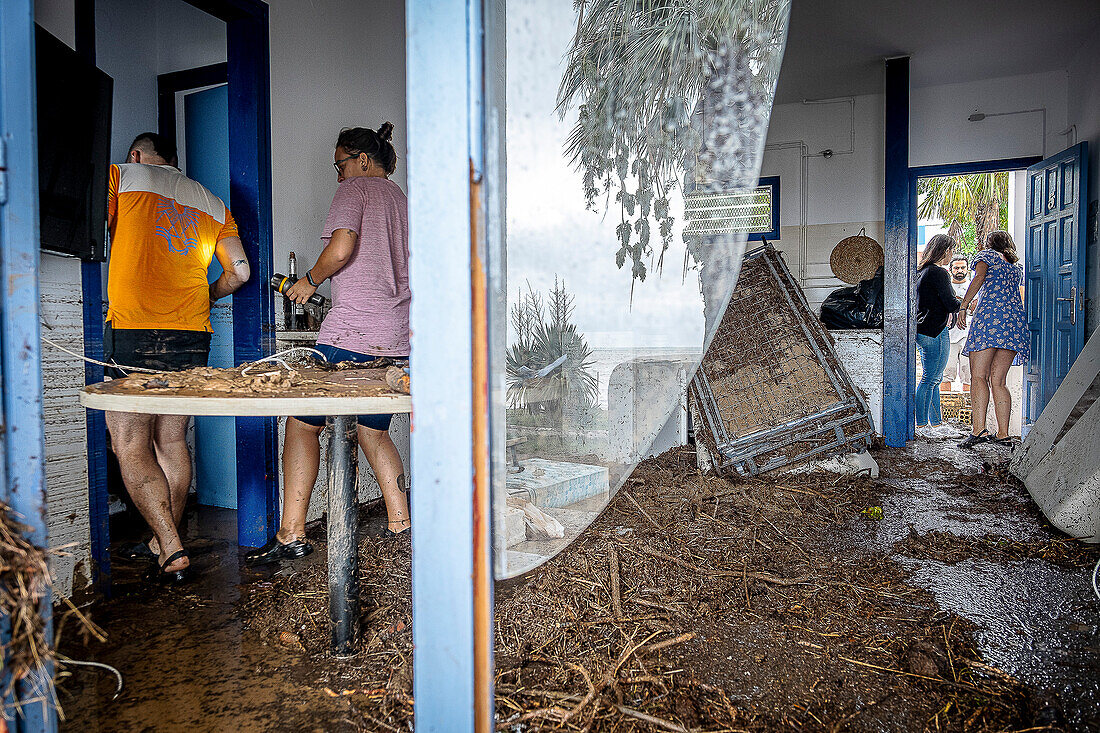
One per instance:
(335, 354)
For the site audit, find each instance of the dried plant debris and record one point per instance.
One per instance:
(345, 379)
(24, 581)
(693, 603)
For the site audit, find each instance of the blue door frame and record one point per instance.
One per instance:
(936, 171)
(899, 331)
(22, 481)
(247, 58)
(247, 71)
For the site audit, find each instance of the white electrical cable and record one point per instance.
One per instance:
(100, 363)
(277, 358)
(118, 689)
(1095, 585)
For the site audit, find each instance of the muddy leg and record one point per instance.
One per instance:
(132, 439)
(301, 460)
(174, 457)
(385, 461)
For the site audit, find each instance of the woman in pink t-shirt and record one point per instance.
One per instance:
(366, 254)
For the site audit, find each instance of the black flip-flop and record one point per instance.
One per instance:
(1008, 441)
(973, 440)
(175, 577)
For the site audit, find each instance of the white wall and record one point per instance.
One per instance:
(186, 37)
(825, 199)
(845, 192)
(941, 133)
(340, 67)
(126, 49)
(1084, 112)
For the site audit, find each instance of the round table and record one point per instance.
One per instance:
(343, 455)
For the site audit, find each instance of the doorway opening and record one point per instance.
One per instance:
(198, 74)
(966, 202)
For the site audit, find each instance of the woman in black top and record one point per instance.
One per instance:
(936, 302)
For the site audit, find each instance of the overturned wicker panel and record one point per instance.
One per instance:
(770, 387)
(856, 258)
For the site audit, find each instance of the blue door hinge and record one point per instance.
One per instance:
(3, 172)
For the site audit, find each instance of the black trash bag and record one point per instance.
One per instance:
(856, 306)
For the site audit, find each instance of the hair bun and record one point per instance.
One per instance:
(385, 132)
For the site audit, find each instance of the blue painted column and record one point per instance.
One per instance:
(23, 484)
(899, 329)
(452, 626)
(253, 305)
(91, 291)
(91, 286)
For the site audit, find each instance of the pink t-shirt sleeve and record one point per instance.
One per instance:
(346, 211)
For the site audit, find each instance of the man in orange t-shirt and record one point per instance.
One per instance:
(165, 231)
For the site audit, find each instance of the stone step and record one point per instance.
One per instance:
(557, 483)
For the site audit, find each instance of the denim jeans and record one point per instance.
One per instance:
(933, 354)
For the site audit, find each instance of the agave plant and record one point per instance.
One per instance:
(549, 366)
(640, 72)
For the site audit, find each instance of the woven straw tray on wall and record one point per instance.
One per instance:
(856, 258)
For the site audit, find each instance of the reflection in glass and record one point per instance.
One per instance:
(623, 119)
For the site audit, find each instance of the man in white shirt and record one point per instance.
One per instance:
(958, 366)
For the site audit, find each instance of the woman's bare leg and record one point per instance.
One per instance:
(301, 461)
(1002, 397)
(980, 363)
(385, 461)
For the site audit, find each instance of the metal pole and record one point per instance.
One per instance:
(343, 535)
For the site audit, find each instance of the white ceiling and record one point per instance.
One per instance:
(836, 47)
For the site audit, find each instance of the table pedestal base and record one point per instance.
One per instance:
(343, 534)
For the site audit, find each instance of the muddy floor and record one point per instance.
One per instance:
(932, 598)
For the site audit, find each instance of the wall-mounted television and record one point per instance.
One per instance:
(74, 150)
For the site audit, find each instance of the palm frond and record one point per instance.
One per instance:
(637, 72)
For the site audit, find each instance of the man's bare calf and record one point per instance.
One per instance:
(156, 468)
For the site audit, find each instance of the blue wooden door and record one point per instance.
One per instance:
(1054, 256)
(206, 133)
(26, 704)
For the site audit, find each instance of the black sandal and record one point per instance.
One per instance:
(973, 440)
(1008, 441)
(175, 577)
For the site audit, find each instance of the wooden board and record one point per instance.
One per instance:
(350, 392)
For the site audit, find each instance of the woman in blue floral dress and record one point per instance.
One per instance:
(998, 337)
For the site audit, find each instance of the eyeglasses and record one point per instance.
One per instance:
(340, 162)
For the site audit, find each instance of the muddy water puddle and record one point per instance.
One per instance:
(186, 661)
(1035, 621)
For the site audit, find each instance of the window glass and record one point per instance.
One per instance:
(633, 137)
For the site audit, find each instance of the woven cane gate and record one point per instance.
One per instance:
(770, 388)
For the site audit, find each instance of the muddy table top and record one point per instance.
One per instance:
(262, 391)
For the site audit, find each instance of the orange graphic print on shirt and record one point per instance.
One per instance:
(164, 228)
